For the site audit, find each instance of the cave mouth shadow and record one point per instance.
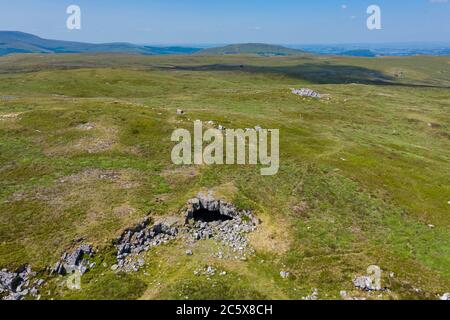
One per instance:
(205, 215)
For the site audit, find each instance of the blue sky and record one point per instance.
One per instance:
(231, 21)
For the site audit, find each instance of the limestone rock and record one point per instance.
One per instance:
(305, 92)
(365, 283)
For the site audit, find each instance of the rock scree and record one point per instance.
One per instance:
(207, 217)
(75, 261)
(141, 238)
(17, 285)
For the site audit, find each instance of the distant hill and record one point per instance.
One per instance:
(20, 42)
(359, 53)
(252, 48)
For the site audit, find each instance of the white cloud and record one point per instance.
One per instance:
(437, 1)
(344, 7)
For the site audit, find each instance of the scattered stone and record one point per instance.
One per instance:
(86, 126)
(114, 267)
(305, 92)
(189, 252)
(180, 112)
(431, 226)
(313, 296)
(207, 271)
(284, 274)
(210, 271)
(9, 116)
(343, 294)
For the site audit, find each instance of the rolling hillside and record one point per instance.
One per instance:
(85, 157)
(19, 42)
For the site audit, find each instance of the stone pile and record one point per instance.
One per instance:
(138, 239)
(17, 285)
(71, 262)
(305, 92)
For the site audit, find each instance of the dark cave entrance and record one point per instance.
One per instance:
(205, 215)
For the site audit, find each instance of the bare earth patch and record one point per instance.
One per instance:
(99, 138)
(10, 116)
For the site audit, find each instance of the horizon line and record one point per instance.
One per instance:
(441, 42)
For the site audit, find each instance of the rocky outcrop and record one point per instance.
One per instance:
(365, 283)
(305, 92)
(17, 285)
(141, 238)
(75, 261)
(207, 217)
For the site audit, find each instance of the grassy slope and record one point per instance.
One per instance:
(370, 168)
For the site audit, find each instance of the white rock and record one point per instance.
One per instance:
(365, 283)
(305, 92)
(445, 297)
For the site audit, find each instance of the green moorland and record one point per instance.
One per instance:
(364, 176)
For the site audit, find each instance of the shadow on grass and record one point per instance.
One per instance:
(319, 73)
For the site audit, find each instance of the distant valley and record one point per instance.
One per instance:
(12, 42)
